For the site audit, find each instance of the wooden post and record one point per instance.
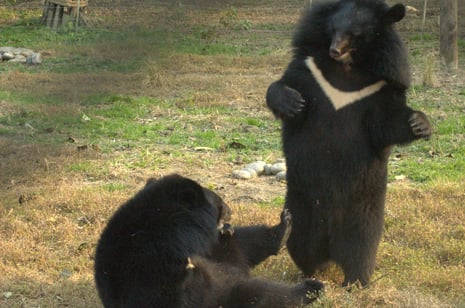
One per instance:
(78, 13)
(52, 14)
(57, 13)
(58, 16)
(45, 10)
(448, 34)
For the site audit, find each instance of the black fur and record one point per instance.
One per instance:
(162, 248)
(337, 159)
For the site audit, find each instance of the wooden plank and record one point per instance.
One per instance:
(60, 15)
(51, 14)
(57, 16)
(66, 18)
(43, 19)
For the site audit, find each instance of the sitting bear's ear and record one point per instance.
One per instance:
(394, 14)
(190, 197)
(150, 181)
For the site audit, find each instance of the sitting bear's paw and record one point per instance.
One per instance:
(420, 125)
(227, 230)
(312, 288)
(286, 217)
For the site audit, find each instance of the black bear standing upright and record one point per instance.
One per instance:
(342, 102)
(162, 248)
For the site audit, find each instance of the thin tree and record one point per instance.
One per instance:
(448, 34)
(424, 18)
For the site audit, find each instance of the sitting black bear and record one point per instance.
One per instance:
(168, 246)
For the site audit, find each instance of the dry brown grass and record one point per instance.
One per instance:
(51, 215)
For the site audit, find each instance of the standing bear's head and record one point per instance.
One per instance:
(356, 33)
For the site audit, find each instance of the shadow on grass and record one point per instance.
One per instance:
(65, 292)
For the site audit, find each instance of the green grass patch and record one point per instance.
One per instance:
(114, 186)
(423, 37)
(117, 122)
(82, 167)
(461, 44)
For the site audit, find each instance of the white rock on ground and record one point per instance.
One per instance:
(260, 167)
(242, 174)
(281, 176)
(34, 58)
(21, 55)
(277, 168)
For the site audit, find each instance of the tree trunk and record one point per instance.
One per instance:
(448, 45)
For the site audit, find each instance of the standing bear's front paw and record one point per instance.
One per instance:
(285, 102)
(420, 125)
(294, 102)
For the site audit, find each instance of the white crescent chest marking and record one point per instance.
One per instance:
(339, 98)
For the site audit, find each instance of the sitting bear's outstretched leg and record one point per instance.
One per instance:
(234, 289)
(260, 293)
(249, 246)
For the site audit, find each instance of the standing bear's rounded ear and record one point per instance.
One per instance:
(394, 13)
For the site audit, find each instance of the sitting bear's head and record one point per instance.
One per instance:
(186, 198)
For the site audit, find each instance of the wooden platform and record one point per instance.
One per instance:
(58, 13)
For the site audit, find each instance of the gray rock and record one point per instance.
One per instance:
(21, 55)
(34, 58)
(252, 172)
(242, 174)
(260, 167)
(16, 51)
(267, 169)
(8, 56)
(26, 52)
(19, 59)
(281, 176)
(278, 167)
(257, 166)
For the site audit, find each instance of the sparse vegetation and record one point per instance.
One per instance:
(124, 100)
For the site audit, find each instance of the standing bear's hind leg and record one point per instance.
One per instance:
(353, 246)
